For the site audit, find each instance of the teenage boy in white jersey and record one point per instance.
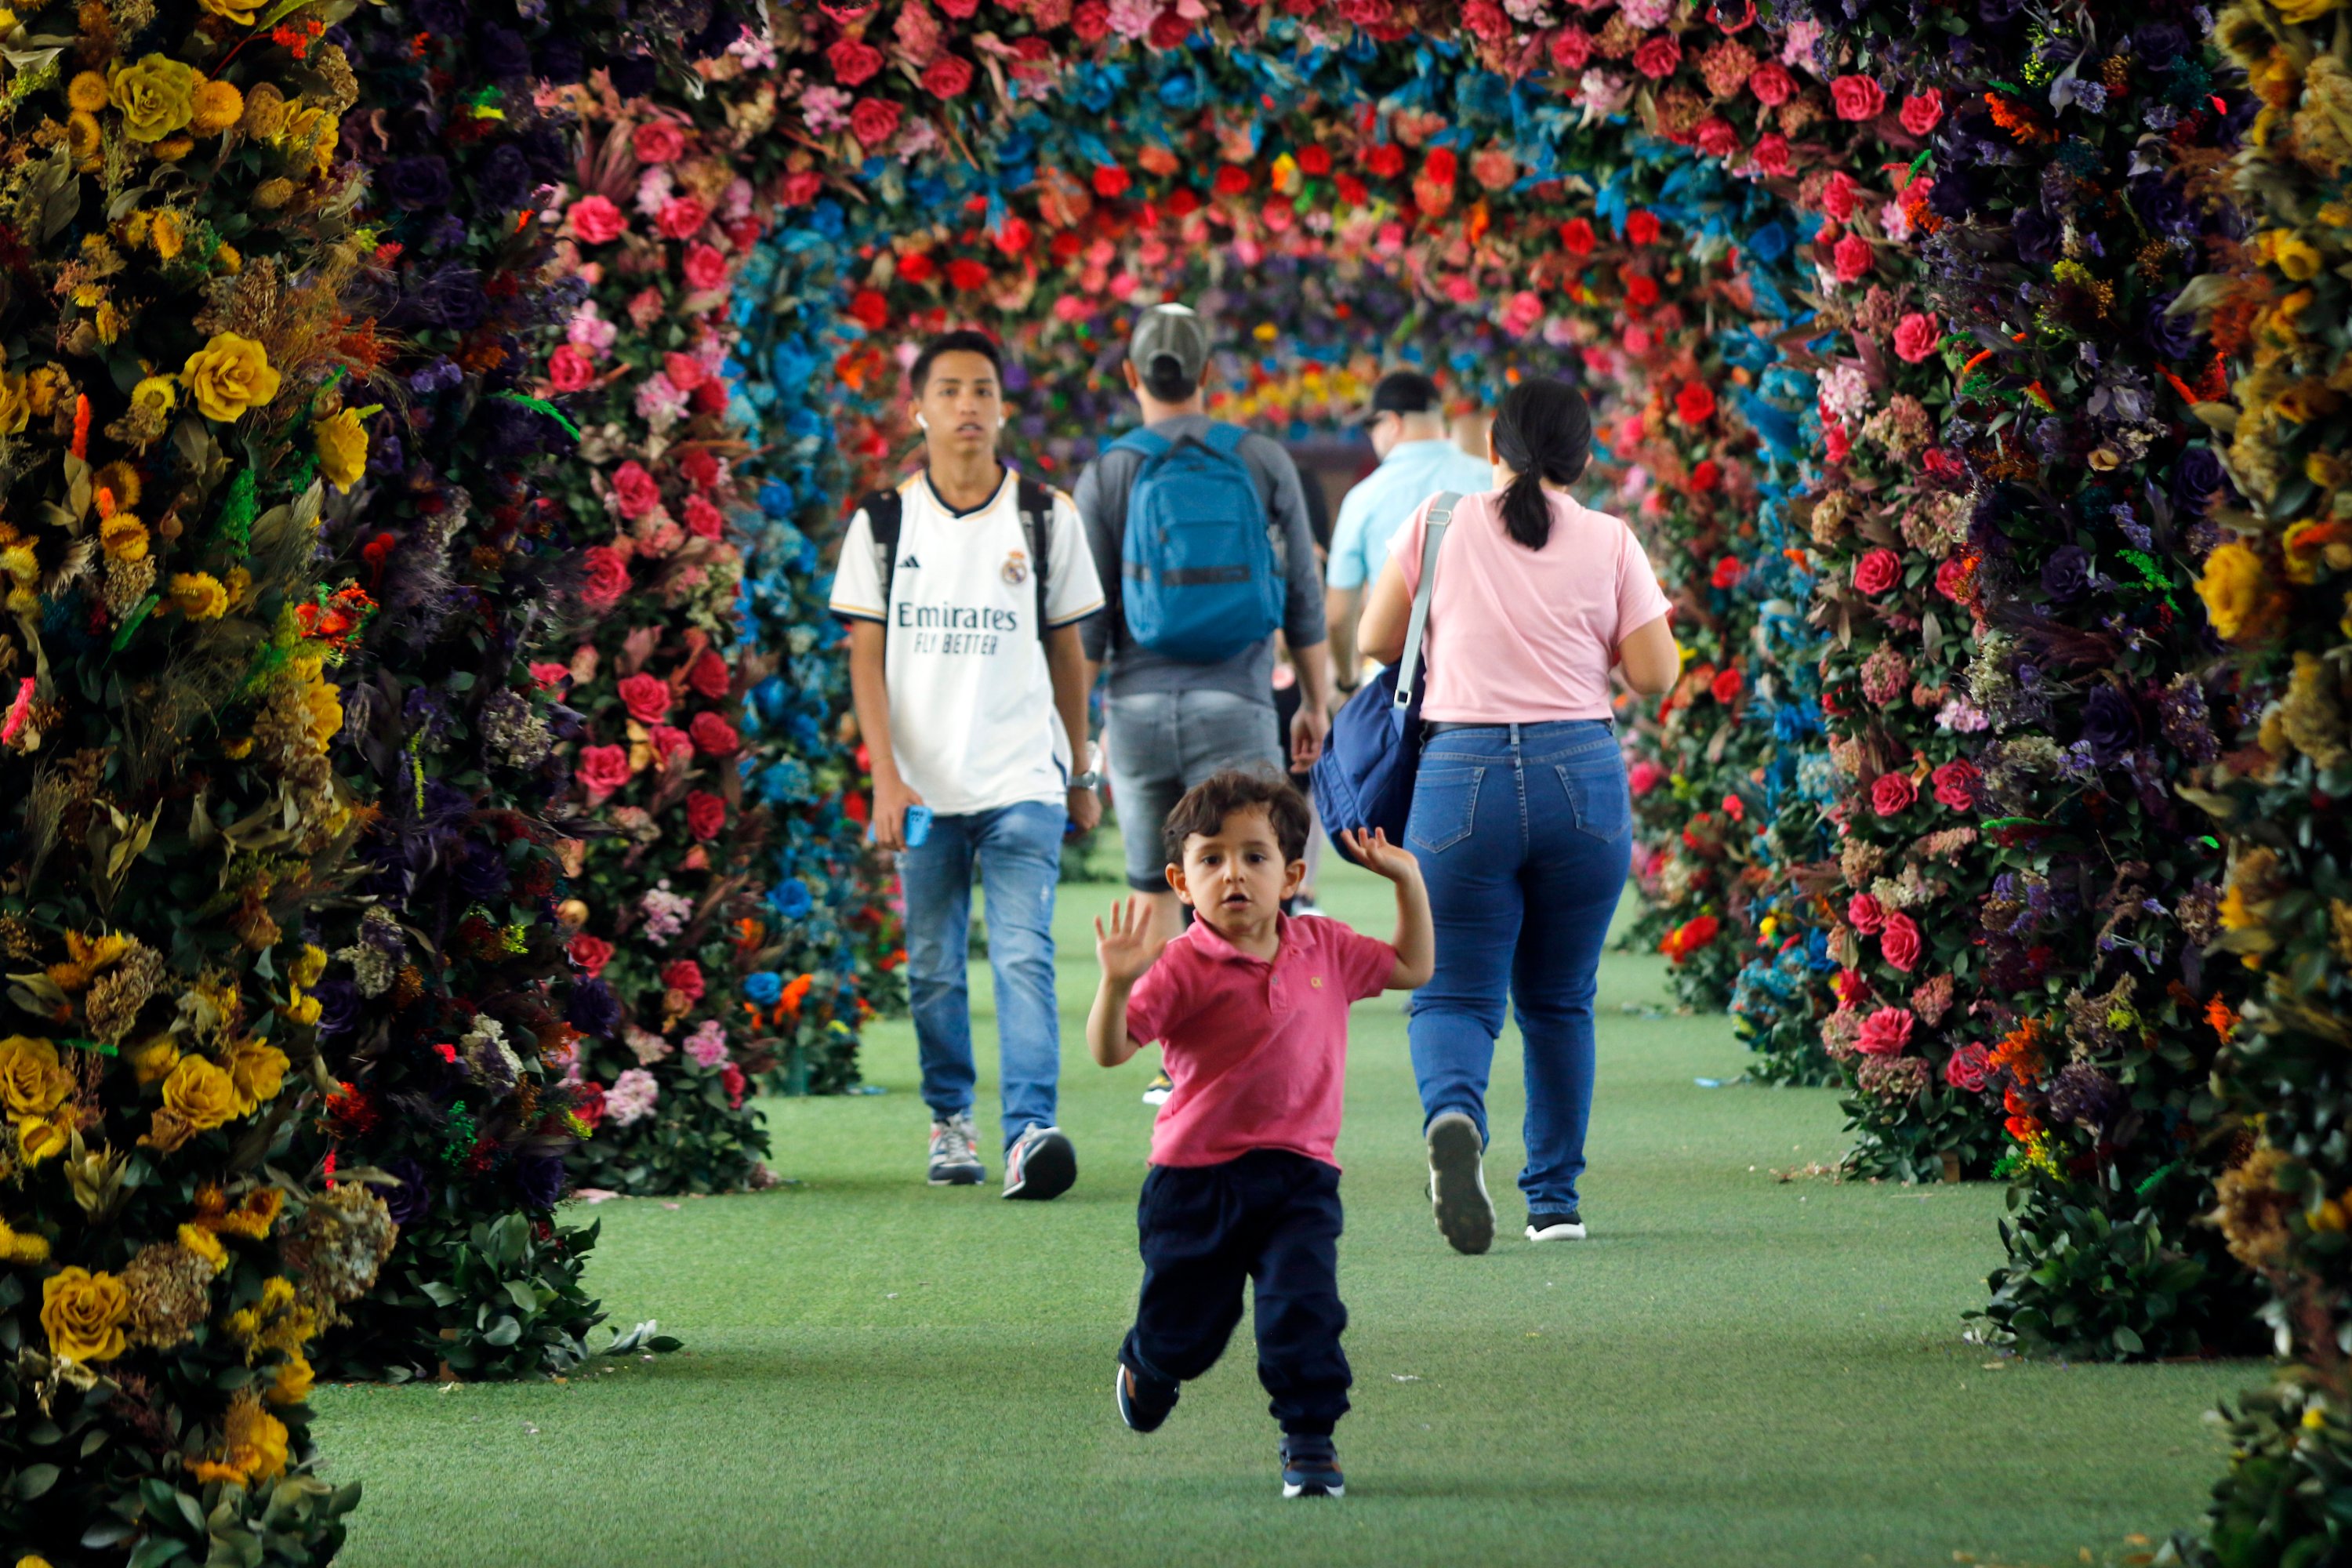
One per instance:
(971, 690)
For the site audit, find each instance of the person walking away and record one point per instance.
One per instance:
(1408, 428)
(963, 588)
(1520, 813)
(1207, 525)
(1250, 1008)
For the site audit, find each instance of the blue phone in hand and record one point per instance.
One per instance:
(918, 826)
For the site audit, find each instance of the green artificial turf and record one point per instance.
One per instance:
(1736, 1370)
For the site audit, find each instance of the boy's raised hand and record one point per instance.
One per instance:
(1130, 943)
(1373, 852)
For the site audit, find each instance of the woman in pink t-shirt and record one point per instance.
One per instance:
(1520, 814)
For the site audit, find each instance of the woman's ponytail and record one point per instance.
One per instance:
(1544, 432)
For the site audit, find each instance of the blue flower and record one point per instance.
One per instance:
(791, 898)
(765, 987)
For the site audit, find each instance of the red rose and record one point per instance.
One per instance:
(683, 975)
(1885, 1032)
(1853, 258)
(1857, 97)
(1694, 403)
(701, 468)
(966, 274)
(705, 268)
(603, 769)
(874, 121)
(1956, 784)
(1968, 1067)
(1850, 987)
(1351, 190)
(608, 577)
(1641, 291)
(1878, 570)
(646, 697)
(682, 218)
(1922, 110)
(670, 745)
(801, 188)
(1659, 55)
(916, 267)
(706, 814)
(1717, 137)
(658, 142)
(1169, 30)
(588, 1103)
(1952, 579)
(1838, 196)
(1836, 444)
(1576, 236)
(1232, 180)
(1915, 336)
(960, 9)
(596, 220)
(1387, 161)
(1014, 237)
(710, 397)
(1727, 572)
(731, 1078)
(1571, 49)
(1091, 21)
(1314, 160)
(1771, 155)
(714, 736)
(709, 675)
(869, 310)
(853, 62)
(948, 77)
(703, 520)
(549, 676)
(1726, 685)
(685, 371)
(1704, 477)
(1441, 168)
(636, 487)
(591, 952)
(1893, 793)
(1898, 942)
(569, 370)
(1111, 181)
(1641, 226)
(1865, 914)
(1771, 84)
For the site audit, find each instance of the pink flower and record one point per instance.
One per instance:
(1968, 1067)
(646, 697)
(1857, 97)
(706, 522)
(1658, 55)
(608, 577)
(603, 769)
(1915, 336)
(569, 370)
(1921, 112)
(1893, 793)
(948, 77)
(670, 744)
(636, 490)
(714, 736)
(874, 121)
(706, 814)
(1878, 570)
(658, 142)
(592, 952)
(596, 220)
(1645, 776)
(710, 676)
(1956, 784)
(682, 218)
(705, 269)
(1885, 1032)
(550, 676)
(1865, 914)
(1898, 942)
(685, 371)
(1771, 84)
(1852, 257)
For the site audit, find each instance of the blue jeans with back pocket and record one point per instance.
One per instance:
(1525, 833)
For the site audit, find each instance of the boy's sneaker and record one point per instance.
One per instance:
(955, 1160)
(1567, 1227)
(1457, 1183)
(1310, 1468)
(1143, 1402)
(1041, 1164)
(1161, 1085)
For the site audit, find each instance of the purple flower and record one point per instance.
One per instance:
(444, 17)
(539, 1179)
(2110, 724)
(504, 180)
(412, 1199)
(416, 184)
(594, 1009)
(2195, 481)
(503, 54)
(339, 1007)
(560, 60)
(481, 873)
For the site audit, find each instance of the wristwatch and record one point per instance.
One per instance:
(1090, 779)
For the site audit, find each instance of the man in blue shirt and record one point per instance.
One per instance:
(1417, 459)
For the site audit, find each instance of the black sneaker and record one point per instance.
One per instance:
(1457, 1183)
(1310, 1468)
(1143, 1402)
(1041, 1164)
(1556, 1227)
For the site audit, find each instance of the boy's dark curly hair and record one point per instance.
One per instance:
(1206, 805)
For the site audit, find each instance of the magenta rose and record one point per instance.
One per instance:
(1915, 336)
(1852, 259)
(1893, 793)
(658, 142)
(1865, 914)
(682, 218)
(1645, 776)
(603, 769)
(636, 490)
(1899, 943)
(948, 77)
(608, 577)
(1717, 137)
(596, 220)
(1968, 1067)
(1885, 1032)
(1857, 97)
(705, 269)
(1956, 784)
(1659, 55)
(874, 121)
(714, 736)
(592, 952)
(706, 814)
(670, 744)
(853, 62)
(569, 370)
(711, 676)
(1771, 84)
(1877, 571)
(703, 520)
(646, 697)
(1922, 110)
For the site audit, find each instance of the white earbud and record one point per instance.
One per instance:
(921, 423)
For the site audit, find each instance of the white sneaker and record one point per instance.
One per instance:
(1569, 1226)
(955, 1159)
(1041, 1164)
(1156, 1091)
(1457, 1183)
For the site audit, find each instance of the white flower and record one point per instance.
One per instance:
(1844, 393)
(632, 1098)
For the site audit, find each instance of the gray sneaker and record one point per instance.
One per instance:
(1457, 1183)
(955, 1160)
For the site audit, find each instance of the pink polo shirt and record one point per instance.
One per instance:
(1258, 1051)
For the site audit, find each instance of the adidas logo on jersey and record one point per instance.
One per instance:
(910, 563)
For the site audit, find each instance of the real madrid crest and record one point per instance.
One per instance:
(1016, 567)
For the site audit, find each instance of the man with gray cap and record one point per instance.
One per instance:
(1207, 527)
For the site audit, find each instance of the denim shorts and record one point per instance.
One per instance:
(1161, 744)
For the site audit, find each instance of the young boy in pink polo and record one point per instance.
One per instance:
(1249, 1007)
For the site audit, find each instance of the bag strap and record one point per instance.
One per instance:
(1224, 439)
(885, 515)
(1440, 513)
(1036, 504)
(1146, 443)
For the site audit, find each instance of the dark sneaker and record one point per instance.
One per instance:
(1567, 1227)
(1143, 1402)
(955, 1159)
(1310, 1468)
(1156, 1091)
(1457, 1183)
(1041, 1164)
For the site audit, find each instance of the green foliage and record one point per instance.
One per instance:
(481, 1299)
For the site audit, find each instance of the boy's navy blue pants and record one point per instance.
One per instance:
(1271, 1216)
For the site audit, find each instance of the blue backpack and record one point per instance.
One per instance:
(1201, 582)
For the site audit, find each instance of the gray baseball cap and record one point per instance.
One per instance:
(1173, 331)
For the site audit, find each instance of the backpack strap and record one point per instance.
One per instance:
(1433, 534)
(1145, 443)
(1036, 500)
(885, 514)
(1224, 439)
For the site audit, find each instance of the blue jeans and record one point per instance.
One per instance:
(1019, 848)
(1525, 833)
